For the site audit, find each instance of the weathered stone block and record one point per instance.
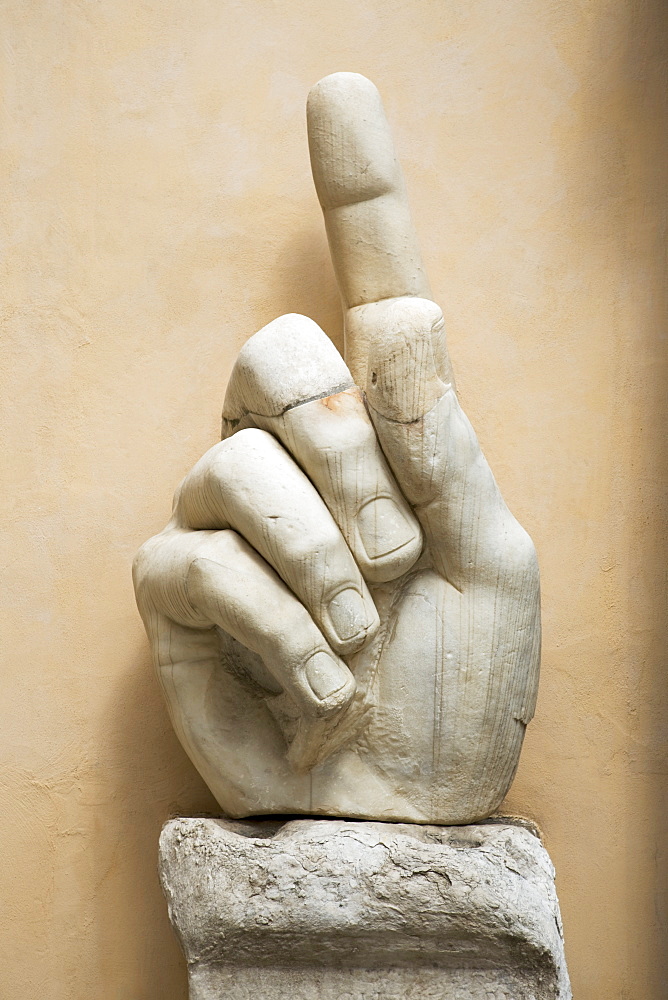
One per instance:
(339, 910)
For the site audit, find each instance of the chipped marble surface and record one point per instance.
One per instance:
(334, 908)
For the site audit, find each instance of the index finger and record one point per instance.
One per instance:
(373, 243)
(361, 190)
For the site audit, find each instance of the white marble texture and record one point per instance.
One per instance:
(343, 612)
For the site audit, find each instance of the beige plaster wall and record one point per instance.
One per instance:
(157, 209)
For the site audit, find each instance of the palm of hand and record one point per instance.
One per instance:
(334, 535)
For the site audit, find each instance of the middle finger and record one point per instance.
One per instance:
(290, 380)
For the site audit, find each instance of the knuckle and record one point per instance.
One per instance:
(270, 367)
(144, 563)
(234, 456)
(198, 574)
(520, 549)
(161, 573)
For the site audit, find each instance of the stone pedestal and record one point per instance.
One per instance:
(336, 910)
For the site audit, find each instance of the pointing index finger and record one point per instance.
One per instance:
(362, 193)
(371, 237)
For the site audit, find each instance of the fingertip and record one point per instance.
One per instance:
(351, 146)
(350, 620)
(331, 682)
(391, 539)
(340, 87)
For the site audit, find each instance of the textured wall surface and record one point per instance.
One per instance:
(158, 209)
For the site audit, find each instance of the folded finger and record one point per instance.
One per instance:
(251, 484)
(201, 579)
(290, 380)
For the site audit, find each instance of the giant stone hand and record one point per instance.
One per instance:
(344, 614)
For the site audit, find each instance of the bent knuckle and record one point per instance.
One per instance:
(146, 560)
(520, 551)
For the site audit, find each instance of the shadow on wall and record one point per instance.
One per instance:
(305, 282)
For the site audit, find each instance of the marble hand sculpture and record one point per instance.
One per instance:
(344, 614)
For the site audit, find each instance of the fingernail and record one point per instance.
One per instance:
(383, 528)
(348, 614)
(325, 675)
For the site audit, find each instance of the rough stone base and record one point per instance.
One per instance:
(339, 910)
